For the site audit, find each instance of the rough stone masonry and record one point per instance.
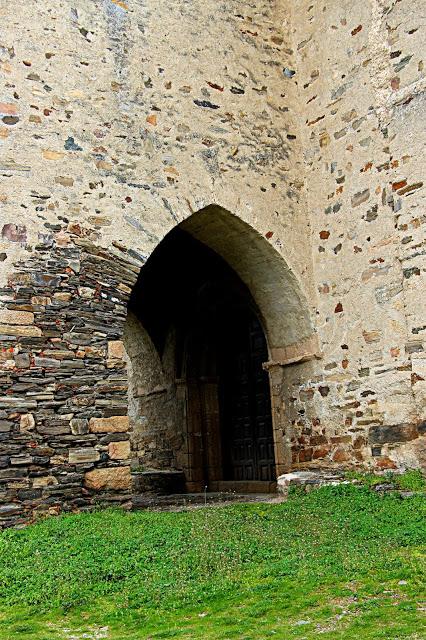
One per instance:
(302, 125)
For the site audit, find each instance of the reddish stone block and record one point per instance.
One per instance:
(340, 455)
(305, 455)
(321, 452)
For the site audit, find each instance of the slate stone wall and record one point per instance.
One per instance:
(64, 429)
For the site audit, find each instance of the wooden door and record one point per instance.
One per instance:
(248, 446)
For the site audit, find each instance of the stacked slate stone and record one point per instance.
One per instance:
(64, 430)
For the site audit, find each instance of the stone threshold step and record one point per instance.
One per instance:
(197, 500)
(244, 486)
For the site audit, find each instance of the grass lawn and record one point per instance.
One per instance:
(340, 562)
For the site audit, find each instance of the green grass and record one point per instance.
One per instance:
(412, 480)
(339, 562)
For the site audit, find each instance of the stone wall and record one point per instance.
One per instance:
(360, 75)
(64, 428)
(119, 120)
(154, 410)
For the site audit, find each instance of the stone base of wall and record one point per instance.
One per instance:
(64, 429)
(158, 482)
(308, 480)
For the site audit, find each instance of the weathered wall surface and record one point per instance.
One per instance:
(155, 414)
(119, 120)
(360, 76)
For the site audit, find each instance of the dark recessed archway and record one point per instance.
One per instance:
(196, 308)
(213, 303)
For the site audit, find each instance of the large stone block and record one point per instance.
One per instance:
(109, 425)
(309, 479)
(110, 478)
(383, 434)
(83, 455)
(22, 360)
(47, 363)
(16, 317)
(79, 426)
(20, 330)
(44, 481)
(10, 509)
(15, 402)
(27, 422)
(119, 450)
(116, 350)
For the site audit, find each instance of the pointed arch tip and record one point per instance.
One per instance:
(282, 304)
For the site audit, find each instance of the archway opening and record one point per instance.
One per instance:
(210, 347)
(214, 303)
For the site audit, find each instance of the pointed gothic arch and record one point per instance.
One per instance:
(215, 310)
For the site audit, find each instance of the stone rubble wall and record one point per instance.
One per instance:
(360, 76)
(64, 429)
(120, 119)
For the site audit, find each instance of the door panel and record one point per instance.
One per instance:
(246, 410)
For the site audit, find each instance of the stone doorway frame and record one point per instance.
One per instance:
(283, 313)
